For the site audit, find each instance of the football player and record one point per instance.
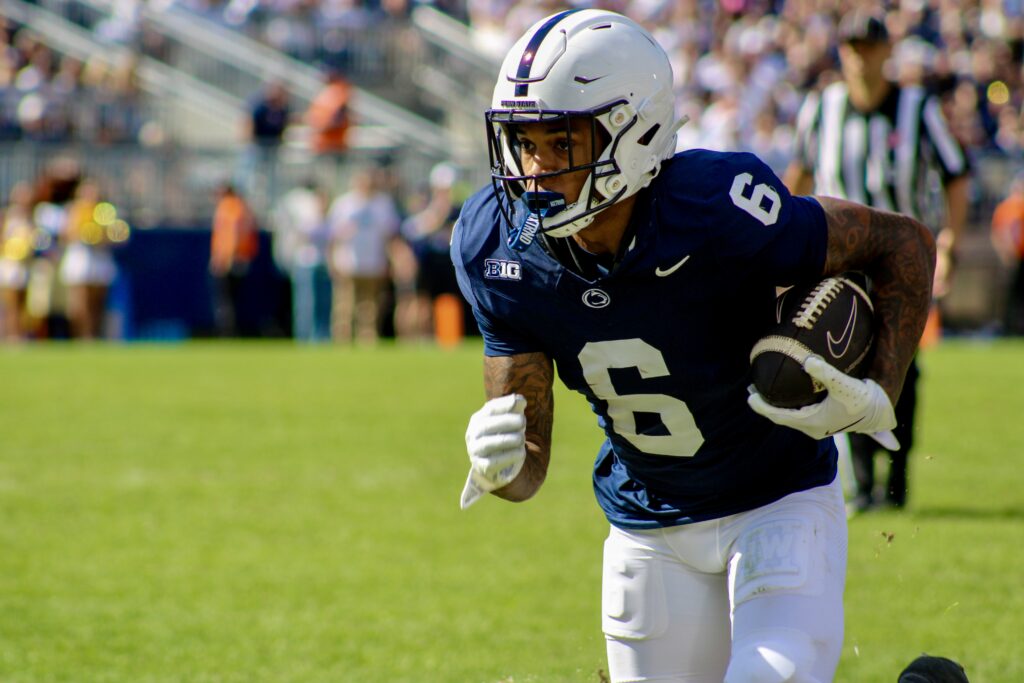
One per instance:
(645, 277)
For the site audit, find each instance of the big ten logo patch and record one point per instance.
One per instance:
(499, 269)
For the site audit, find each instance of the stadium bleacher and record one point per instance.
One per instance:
(151, 96)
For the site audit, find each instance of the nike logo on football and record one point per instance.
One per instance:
(778, 306)
(668, 271)
(839, 347)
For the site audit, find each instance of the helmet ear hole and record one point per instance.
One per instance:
(602, 139)
(647, 137)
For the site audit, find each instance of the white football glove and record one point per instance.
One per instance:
(496, 442)
(852, 405)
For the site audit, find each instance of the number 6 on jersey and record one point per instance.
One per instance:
(752, 204)
(597, 358)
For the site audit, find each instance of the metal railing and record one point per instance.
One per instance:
(459, 77)
(237, 66)
(455, 39)
(175, 186)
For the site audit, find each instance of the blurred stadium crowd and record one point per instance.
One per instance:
(742, 67)
(354, 232)
(49, 97)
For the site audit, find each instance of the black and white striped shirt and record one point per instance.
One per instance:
(897, 157)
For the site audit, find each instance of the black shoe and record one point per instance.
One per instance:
(894, 502)
(928, 669)
(863, 502)
(857, 505)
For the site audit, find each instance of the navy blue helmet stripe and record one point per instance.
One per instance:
(526, 61)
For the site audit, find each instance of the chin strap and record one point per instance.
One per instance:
(570, 229)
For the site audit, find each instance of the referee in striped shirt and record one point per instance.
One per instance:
(873, 141)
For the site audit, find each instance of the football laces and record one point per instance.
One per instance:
(816, 302)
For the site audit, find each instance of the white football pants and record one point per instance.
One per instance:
(755, 597)
(845, 463)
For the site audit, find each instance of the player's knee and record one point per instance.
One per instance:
(776, 657)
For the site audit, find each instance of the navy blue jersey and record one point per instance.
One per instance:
(660, 342)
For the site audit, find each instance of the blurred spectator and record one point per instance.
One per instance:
(328, 116)
(267, 119)
(233, 246)
(124, 23)
(771, 141)
(1008, 240)
(42, 113)
(300, 251)
(293, 30)
(46, 299)
(10, 128)
(428, 233)
(68, 92)
(269, 115)
(490, 35)
(362, 224)
(118, 103)
(87, 268)
(17, 235)
(410, 316)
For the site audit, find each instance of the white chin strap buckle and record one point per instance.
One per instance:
(571, 228)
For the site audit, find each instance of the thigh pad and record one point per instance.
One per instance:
(633, 601)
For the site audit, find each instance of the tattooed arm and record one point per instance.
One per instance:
(898, 254)
(532, 375)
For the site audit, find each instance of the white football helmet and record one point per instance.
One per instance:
(590, 64)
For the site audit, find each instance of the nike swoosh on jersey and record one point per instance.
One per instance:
(668, 271)
(843, 342)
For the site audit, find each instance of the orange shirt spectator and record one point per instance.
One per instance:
(328, 116)
(234, 241)
(1008, 240)
(1008, 225)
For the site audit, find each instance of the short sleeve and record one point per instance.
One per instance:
(763, 229)
(501, 338)
(799, 251)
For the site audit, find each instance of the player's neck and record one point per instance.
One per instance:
(604, 235)
(868, 94)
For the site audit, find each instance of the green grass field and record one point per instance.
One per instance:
(265, 512)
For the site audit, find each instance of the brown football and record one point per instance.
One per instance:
(832, 318)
